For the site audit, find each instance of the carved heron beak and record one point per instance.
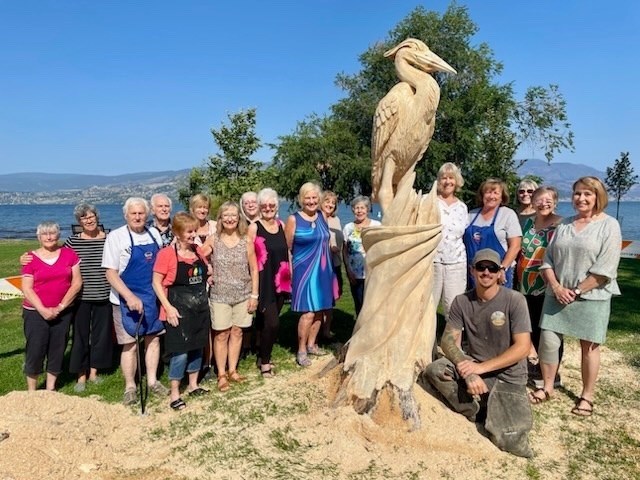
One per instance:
(430, 62)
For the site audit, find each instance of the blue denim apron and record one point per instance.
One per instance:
(137, 276)
(476, 238)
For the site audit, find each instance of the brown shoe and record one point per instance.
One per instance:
(223, 383)
(235, 377)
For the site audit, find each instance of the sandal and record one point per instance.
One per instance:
(235, 377)
(198, 392)
(269, 373)
(302, 359)
(178, 404)
(582, 412)
(536, 400)
(316, 351)
(223, 383)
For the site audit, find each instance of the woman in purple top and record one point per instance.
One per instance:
(50, 282)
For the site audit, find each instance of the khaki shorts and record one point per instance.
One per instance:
(224, 316)
(121, 334)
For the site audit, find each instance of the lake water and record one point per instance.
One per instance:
(20, 221)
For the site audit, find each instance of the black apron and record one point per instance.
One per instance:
(188, 295)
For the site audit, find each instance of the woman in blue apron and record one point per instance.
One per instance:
(494, 226)
(129, 255)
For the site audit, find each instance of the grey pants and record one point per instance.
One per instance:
(509, 418)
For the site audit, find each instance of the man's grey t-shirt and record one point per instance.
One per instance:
(489, 326)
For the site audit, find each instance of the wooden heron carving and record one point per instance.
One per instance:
(404, 120)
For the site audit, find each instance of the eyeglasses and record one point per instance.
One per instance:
(522, 191)
(492, 267)
(268, 206)
(88, 218)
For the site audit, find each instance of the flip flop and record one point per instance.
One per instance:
(583, 412)
(198, 392)
(535, 400)
(269, 373)
(178, 404)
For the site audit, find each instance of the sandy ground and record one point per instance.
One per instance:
(56, 436)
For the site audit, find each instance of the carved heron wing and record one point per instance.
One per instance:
(385, 122)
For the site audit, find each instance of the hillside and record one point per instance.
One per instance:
(67, 188)
(61, 188)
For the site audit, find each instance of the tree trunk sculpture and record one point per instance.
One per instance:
(395, 331)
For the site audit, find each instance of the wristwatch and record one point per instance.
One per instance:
(577, 291)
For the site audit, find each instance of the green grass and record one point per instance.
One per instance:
(609, 452)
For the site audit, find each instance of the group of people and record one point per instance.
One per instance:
(511, 285)
(187, 285)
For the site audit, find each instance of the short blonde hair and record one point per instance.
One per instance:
(596, 186)
(489, 184)
(329, 194)
(242, 223)
(199, 199)
(452, 169)
(306, 188)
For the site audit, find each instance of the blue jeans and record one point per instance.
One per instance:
(189, 362)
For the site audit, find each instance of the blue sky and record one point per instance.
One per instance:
(120, 86)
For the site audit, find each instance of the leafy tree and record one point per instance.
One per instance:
(227, 175)
(324, 150)
(479, 124)
(620, 178)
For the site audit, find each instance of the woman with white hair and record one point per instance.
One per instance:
(50, 282)
(249, 207)
(312, 289)
(129, 255)
(274, 275)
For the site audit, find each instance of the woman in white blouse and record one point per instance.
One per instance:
(450, 262)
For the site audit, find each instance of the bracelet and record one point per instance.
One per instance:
(254, 297)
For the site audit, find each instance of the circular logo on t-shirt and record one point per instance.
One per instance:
(498, 319)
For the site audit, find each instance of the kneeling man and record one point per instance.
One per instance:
(489, 382)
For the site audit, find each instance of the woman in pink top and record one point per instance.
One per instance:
(50, 283)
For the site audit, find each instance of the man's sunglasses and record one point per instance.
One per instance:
(492, 267)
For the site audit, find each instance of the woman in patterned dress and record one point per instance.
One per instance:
(307, 236)
(274, 274)
(536, 235)
(353, 251)
(450, 262)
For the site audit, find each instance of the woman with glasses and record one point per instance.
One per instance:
(526, 208)
(494, 226)
(93, 320)
(537, 233)
(233, 296)
(249, 207)
(274, 275)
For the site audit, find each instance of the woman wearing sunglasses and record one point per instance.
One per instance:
(274, 275)
(526, 209)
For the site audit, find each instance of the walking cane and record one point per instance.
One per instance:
(139, 361)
